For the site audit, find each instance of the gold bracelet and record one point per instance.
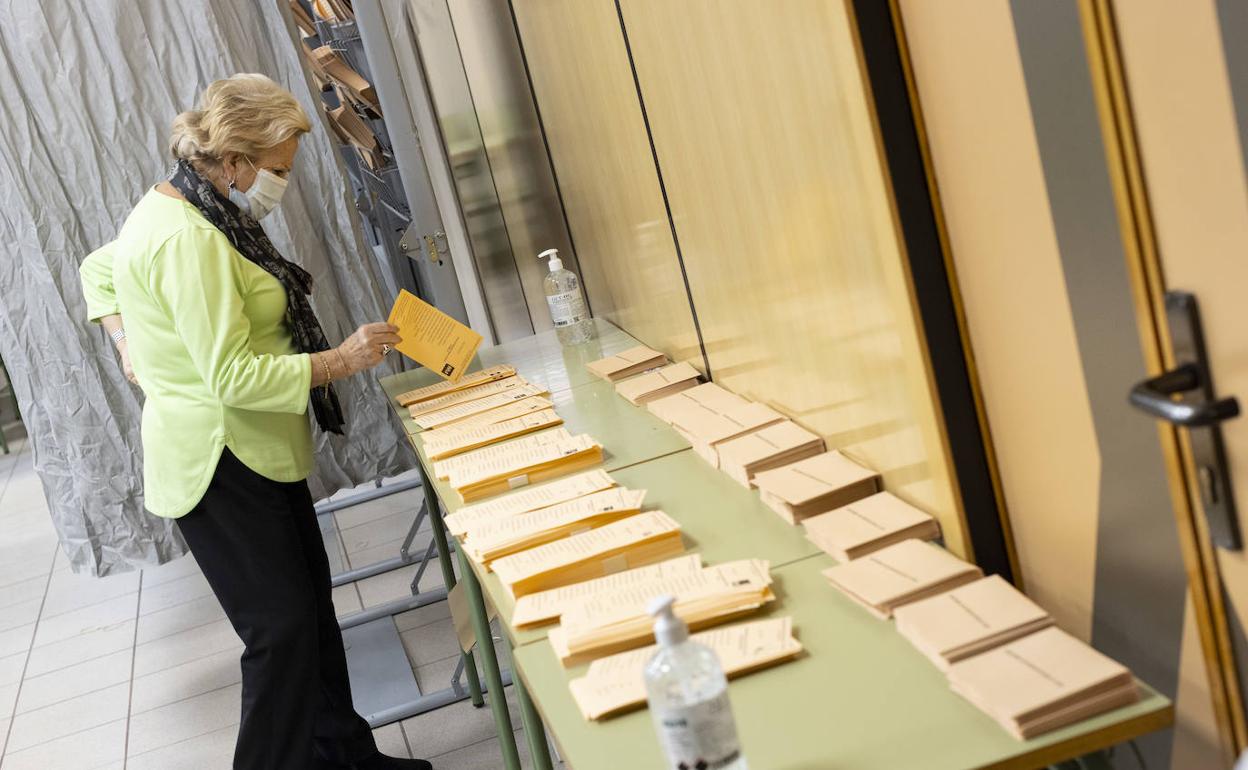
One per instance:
(329, 377)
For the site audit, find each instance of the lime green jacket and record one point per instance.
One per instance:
(210, 348)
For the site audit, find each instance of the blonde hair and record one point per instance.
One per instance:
(244, 114)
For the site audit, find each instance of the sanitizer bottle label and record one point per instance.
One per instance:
(701, 736)
(567, 308)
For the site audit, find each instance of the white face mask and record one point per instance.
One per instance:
(263, 195)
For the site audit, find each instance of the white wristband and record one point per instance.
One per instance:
(118, 336)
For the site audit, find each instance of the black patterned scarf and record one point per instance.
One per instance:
(251, 241)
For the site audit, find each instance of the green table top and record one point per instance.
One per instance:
(859, 697)
(719, 518)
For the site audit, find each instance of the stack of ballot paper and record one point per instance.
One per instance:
(442, 469)
(1042, 682)
(776, 445)
(867, 525)
(508, 411)
(616, 620)
(706, 427)
(504, 537)
(632, 361)
(615, 684)
(543, 607)
(464, 410)
(456, 438)
(660, 383)
(815, 485)
(465, 395)
(462, 522)
(524, 466)
(969, 620)
(707, 394)
(900, 574)
(472, 380)
(633, 542)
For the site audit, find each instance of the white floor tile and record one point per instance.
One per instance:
(68, 591)
(181, 567)
(383, 530)
(390, 741)
(16, 640)
(363, 513)
(97, 747)
(11, 667)
(203, 752)
(18, 564)
(397, 583)
(21, 614)
(179, 618)
(430, 613)
(193, 644)
(185, 719)
(185, 681)
(23, 591)
(68, 717)
(93, 644)
(173, 593)
(429, 643)
(74, 681)
(346, 600)
(111, 612)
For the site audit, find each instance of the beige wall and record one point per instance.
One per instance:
(598, 142)
(766, 143)
(987, 165)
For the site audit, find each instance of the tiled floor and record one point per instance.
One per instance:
(140, 671)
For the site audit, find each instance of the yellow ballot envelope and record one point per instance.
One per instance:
(432, 338)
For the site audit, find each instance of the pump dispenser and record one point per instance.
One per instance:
(563, 292)
(688, 696)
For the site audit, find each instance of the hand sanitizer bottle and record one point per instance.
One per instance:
(567, 302)
(688, 696)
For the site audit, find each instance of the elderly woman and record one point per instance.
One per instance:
(219, 333)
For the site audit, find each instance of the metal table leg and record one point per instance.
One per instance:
(493, 677)
(448, 577)
(534, 730)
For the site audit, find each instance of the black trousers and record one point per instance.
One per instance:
(259, 545)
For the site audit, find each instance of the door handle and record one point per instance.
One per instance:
(1153, 396)
(1199, 412)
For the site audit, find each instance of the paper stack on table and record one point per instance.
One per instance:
(543, 607)
(616, 620)
(464, 395)
(707, 394)
(457, 438)
(469, 460)
(615, 684)
(632, 361)
(524, 466)
(969, 620)
(1042, 682)
(461, 411)
(815, 485)
(504, 537)
(780, 444)
(633, 542)
(659, 383)
(462, 522)
(508, 411)
(471, 380)
(867, 525)
(706, 427)
(900, 574)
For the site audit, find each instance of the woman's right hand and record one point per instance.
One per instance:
(363, 350)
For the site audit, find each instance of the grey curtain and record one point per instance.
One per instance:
(87, 93)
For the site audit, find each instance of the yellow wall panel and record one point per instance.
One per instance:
(766, 143)
(589, 107)
(979, 126)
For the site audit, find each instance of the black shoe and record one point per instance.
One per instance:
(380, 761)
(377, 761)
